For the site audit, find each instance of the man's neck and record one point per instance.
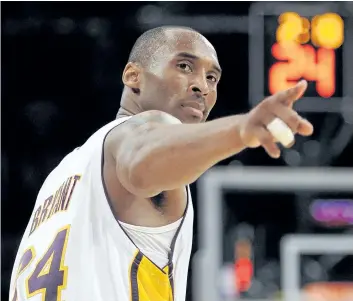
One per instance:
(128, 106)
(123, 112)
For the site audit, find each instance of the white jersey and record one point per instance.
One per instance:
(74, 249)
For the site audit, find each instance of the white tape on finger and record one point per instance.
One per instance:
(280, 130)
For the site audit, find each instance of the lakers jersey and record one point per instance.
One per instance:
(74, 249)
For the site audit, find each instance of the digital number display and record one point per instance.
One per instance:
(304, 48)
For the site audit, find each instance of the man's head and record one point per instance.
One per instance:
(175, 70)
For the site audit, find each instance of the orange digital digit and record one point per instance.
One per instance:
(304, 37)
(302, 61)
(325, 72)
(284, 74)
(293, 28)
(290, 27)
(320, 67)
(297, 60)
(327, 31)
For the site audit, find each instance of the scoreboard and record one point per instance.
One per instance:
(293, 41)
(306, 49)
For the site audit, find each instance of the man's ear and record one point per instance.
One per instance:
(132, 76)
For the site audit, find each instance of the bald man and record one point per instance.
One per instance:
(113, 221)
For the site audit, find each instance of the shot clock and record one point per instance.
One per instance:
(293, 41)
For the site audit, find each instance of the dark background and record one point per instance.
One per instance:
(61, 81)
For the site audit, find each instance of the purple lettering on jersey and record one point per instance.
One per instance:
(58, 199)
(24, 262)
(49, 273)
(57, 202)
(44, 215)
(75, 178)
(64, 193)
(35, 222)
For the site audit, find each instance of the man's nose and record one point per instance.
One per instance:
(200, 87)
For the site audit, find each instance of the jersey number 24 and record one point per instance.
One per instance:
(49, 276)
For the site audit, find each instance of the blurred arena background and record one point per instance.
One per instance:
(271, 226)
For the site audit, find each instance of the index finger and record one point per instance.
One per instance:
(289, 96)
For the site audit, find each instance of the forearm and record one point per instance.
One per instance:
(171, 156)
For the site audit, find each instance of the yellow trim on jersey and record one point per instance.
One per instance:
(22, 267)
(46, 269)
(148, 282)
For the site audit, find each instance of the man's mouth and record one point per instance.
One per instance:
(193, 110)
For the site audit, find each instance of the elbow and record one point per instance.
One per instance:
(137, 176)
(140, 181)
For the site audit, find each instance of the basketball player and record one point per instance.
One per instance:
(113, 221)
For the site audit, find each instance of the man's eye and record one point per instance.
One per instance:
(212, 78)
(185, 67)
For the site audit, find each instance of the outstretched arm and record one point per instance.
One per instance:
(154, 152)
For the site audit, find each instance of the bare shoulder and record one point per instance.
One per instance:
(120, 147)
(153, 116)
(142, 122)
